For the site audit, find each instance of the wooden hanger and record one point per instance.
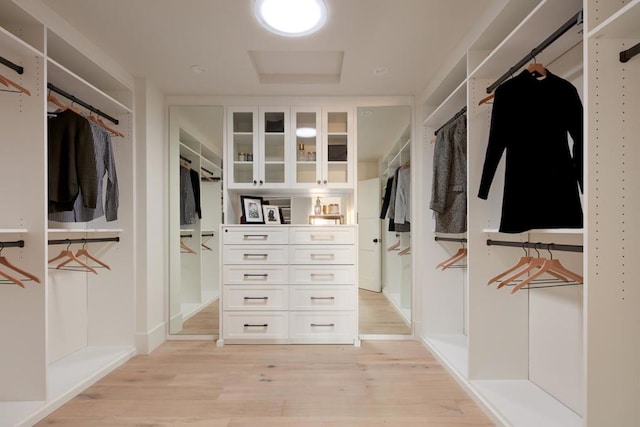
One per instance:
(186, 248)
(84, 252)
(8, 82)
(4, 261)
(461, 254)
(55, 101)
(405, 251)
(99, 122)
(12, 279)
(205, 246)
(549, 266)
(537, 69)
(486, 99)
(394, 246)
(533, 264)
(406, 164)
(66, 253)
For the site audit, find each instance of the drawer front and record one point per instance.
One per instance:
(255, 325)
(258, 235)
(241, 297)
(255, 274)
(323, 298)
(320, 235)
(240, 254)
(323, 254)
(323, 327)
(325, 275)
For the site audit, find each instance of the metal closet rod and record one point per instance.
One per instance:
(186, 235)
(17, 68)
(81, 102)
(575, 20)
(536, 245)
(93, 240)
(16, 244)
(451, 239)
(452, 119)
(626, 55)
(207, 234)
(185, 159)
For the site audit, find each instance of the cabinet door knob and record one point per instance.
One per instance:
(325, 181)
(376, 240)
(319, 182)
(261, 182)
(255, 182)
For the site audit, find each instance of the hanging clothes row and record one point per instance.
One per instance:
(449, 184)
(396, 206)
(80, 156)
(190, 205)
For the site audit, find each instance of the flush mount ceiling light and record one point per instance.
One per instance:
(306, 132)
(291, 18)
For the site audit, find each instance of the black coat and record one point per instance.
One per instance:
(532, 119)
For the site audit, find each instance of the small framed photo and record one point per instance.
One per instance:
(271, 214)
(252, 210)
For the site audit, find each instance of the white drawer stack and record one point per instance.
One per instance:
(289, 284)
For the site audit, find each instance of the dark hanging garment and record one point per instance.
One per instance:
(195, 184)
(387, 198)
(531, 120)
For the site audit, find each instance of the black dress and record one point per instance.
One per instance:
(532, 119)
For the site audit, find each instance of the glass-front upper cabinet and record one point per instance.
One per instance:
(258, 140)
(323, 148)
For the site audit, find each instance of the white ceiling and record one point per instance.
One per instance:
(162, 39)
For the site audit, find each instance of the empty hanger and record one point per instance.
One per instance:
(395, 246)
(550, 266)
(535, 263)
(458, 256)
(8, 82)
(84, 252)
(526, 259)
(405, 251)
(4, 261)
(68, 254)
(186, 248)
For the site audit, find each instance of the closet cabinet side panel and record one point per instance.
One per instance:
(498, 321)
(613, 295)
(23, 177)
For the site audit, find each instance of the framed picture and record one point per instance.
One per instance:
(271, 214)
(252, 210)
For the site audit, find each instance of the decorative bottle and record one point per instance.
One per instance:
(318, 207)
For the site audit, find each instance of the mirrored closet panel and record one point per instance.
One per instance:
(384, 223)
(195, 200)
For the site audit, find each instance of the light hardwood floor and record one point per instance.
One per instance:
(206, 322)
(196, 384)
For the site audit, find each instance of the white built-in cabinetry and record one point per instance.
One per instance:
(553, 356)
(63, 334)
(289, 284)
(266, 150)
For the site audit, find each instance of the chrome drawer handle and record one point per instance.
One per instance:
(323, 297)
(323, 256)
(256, 255)
(330, 325)
(248, 325)
(329, 276)
(255, 275)
(322, 237)
(255, 236)
(263, 298)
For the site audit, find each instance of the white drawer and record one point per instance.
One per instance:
(323, 298)
(255, 235)
(321, 235)
(242, 297)
(255, 274)
(339, 327)
(325, 275)
(323, 254)
(255, 325)
(241, 254)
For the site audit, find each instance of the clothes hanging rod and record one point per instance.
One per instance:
(206, 170)
(452, 119)
(536, 245)
(185, 159)
(16, 244)
(93, 240)
(626, 55)
(451, 239)
(575, 20)
(79, 101)
(186, 235)
(17, 68)
(207, 235)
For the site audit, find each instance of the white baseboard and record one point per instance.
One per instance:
(149, 341)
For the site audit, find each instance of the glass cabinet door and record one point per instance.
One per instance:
(306, 133)
(337, 147)
(243, 144)
(274, 146)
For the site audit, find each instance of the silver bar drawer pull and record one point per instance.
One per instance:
(249, 275)
(256, 256)
(322, 276)
(330, 325)
(322, 237)
(255, 236)
(323, 298)
(323, 256)
(262, 298)
(249, 325)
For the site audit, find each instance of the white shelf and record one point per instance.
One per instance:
(13, 230)
(83, 230)
(622, 24)
(449, 107)
(452, 351)
(539, 231)
(66, 378)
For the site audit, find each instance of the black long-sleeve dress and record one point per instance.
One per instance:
(531, 120)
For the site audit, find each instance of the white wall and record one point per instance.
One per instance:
(151, 213)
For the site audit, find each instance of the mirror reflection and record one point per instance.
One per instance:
(195, 188)
(384, 232)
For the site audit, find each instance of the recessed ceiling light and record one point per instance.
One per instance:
(291, 18)
(381, 71)
(306, 132)
(198, 69)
